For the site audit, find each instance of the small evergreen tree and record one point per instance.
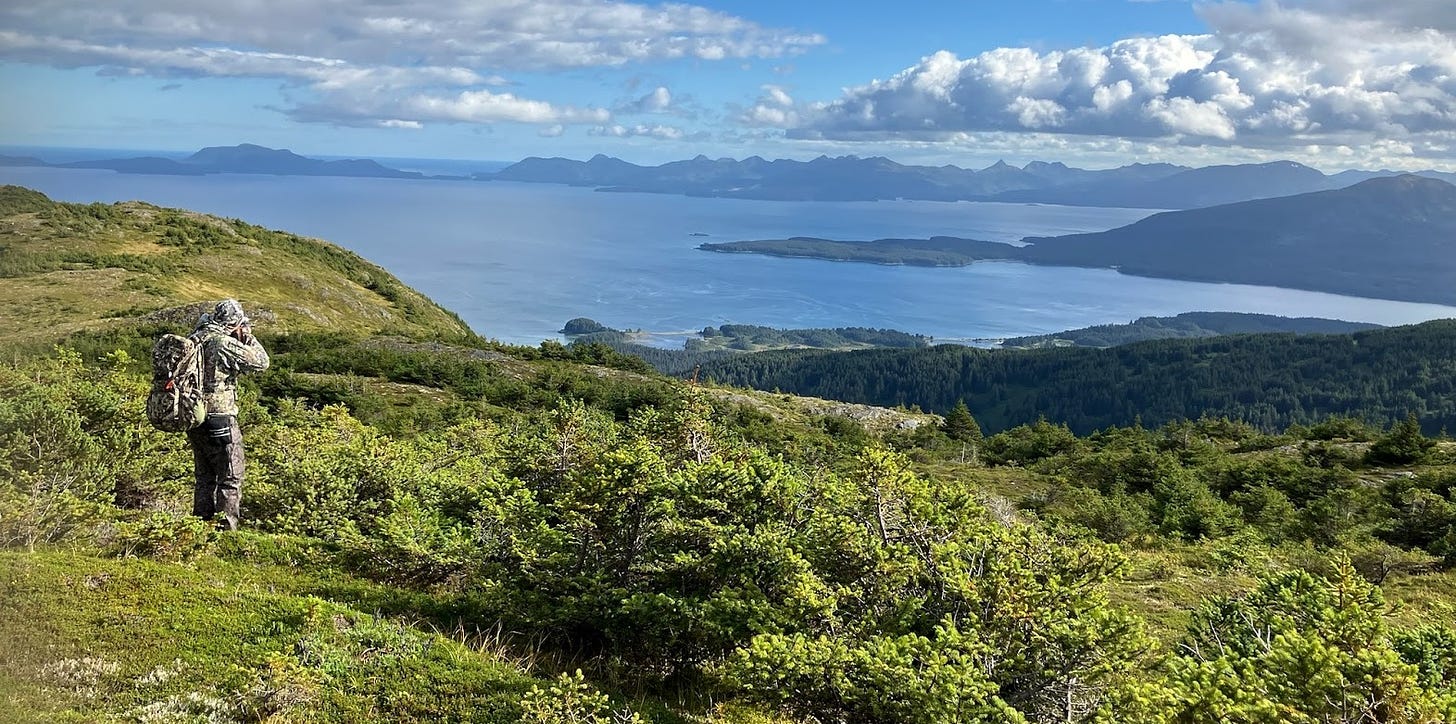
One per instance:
(1403, 445)
(960, 425)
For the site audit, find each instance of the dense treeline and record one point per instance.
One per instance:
(1271, 381)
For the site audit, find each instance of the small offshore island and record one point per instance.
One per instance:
(940, 251)
(1317, 241)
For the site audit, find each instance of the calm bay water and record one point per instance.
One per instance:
(518, 260)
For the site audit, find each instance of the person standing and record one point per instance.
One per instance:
(229, 350)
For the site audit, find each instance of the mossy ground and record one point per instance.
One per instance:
(262, 628)
(255, 637)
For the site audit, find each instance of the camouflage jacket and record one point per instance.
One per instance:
(223, 359)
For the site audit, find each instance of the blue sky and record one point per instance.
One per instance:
(1334, 83)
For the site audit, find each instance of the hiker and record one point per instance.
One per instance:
(228, 350)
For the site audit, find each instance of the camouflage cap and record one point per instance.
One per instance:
(228, 313)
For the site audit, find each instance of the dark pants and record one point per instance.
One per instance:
(217, 461)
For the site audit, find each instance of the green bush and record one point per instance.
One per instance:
(1403, 444)
(570, 700)
(1299, 648)
(1026, 444)
(164, 536)
(73, 441)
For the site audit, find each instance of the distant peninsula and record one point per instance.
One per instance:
(1189, 325)
(1384, 238)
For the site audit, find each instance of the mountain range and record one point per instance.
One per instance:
(844, 178)
(244, 158)
(850, 178)
(1385, 238)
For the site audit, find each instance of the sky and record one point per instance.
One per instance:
(1336, 84)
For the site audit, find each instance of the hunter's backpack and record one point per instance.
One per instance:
(176, 402)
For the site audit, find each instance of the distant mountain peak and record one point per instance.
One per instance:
(1405, 187)
(242, 151)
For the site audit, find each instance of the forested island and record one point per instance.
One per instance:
(731, 338)
(1386, 238)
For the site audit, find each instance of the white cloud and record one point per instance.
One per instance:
(482, 106)
(659, 132)
(503, 34)
(774, 109)
(356, 57)
(1278, 76)
(658, 100)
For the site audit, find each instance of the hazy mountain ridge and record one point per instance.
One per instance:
(850, 178)
(243, 158)
(843, 178)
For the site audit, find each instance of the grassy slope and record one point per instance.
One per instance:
(73, 268)
(70, 267)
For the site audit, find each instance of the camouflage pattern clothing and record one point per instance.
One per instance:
(224, 358)
(217, 445)
(217, 464)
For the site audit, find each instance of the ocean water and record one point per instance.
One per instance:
(518, 260)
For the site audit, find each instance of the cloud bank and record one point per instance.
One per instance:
(385, 62)
(1271, 75)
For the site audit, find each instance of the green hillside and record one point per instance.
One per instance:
(71, 267)
(440, 528)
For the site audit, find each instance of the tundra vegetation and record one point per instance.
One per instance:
(441, 528)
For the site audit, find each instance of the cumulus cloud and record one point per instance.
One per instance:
(439, 56)
(1268, 75)
(773, 109)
